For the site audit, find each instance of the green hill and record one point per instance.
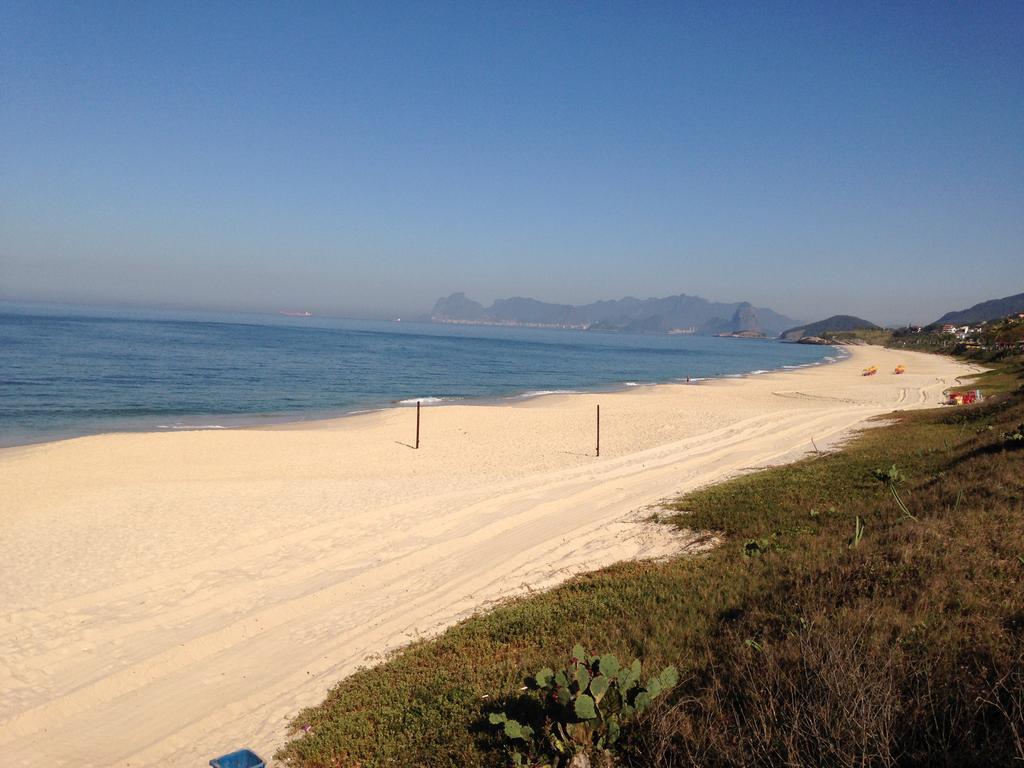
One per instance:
(834, 324)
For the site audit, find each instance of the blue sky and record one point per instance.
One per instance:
(363, 159)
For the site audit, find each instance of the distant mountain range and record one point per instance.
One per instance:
(672, 314)
(833, 324)
(986, 310)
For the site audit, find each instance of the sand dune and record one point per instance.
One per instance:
(165, 598)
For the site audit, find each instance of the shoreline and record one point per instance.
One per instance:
(237, 574)
(523, 398)
(282, 421)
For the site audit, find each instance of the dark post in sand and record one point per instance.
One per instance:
(599, 431)
(417, 423)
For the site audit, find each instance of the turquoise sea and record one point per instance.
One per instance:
(68, 371)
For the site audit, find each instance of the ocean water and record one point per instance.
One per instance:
(69, 371)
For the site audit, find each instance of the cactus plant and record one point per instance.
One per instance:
(858, 532)
(893, 477)
(583, 708)
(1014, 439)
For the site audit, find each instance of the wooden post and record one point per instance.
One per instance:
(417, 423)
(599, 431)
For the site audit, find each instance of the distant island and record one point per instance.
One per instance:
(680, 314)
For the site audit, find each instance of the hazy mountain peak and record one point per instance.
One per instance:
(457, 307)
(986, 310)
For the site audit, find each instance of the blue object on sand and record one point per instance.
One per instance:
(243, 758)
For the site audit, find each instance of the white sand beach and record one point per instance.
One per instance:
(166, 598)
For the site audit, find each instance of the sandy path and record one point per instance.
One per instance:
(165, 598)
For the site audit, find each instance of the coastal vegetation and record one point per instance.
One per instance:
(864, 607)
(990, 341)
(996, 340)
